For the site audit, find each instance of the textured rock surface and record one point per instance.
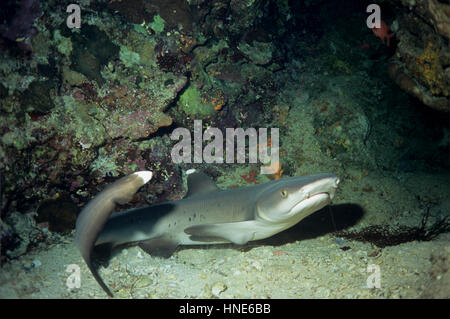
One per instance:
(421, 65)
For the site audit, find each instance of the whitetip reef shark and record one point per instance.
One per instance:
(206, 215)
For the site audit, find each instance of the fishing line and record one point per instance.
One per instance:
(332, 218)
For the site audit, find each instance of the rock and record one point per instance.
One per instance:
(259, 53)
(92, 49)
(61, 214)
(420, 65)
(38, 97)
(434, 11)
(20, 226)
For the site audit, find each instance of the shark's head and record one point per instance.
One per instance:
(289, 200)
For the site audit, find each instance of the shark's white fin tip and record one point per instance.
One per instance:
(145, 175)
(190, 171)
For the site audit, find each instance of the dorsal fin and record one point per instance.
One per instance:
(199, 183)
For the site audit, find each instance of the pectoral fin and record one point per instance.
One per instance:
(238, 233)
(162, 246)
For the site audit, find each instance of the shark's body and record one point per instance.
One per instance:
(208, 215)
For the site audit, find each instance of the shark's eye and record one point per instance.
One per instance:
(284, 193)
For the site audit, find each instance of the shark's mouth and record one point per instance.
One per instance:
(311, 204)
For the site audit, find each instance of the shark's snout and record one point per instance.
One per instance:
(326, 185)
(333, 187)
(318, 194)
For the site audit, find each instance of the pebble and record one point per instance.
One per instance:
(171, 277)
(143, 282)
(257, 266)
(220, 262)
(172, 284)
(218, 288)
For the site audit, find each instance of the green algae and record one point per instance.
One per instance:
(63, 44)
(158, 24)
(104, 165)
(128, 57)
(192, 103)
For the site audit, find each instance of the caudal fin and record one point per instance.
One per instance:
(93, 217)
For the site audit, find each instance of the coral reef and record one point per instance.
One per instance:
(84, 107)
(135, 113)
(72, 110)
(421, 63)
(435, 12)
(259, 53)
(192, 103)
(91, 50)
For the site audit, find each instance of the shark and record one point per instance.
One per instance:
(206, 215)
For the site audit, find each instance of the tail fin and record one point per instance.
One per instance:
(93, 217)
